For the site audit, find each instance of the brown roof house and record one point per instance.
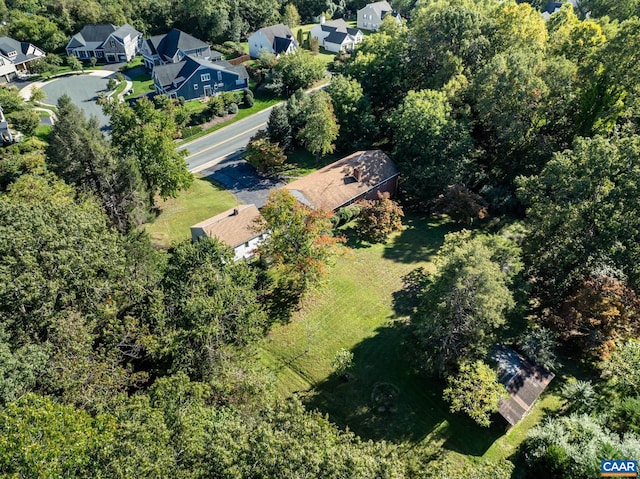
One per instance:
(235, 227)
(523, 380)
(358, 176)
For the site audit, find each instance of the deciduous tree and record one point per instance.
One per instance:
(475, 391)
(379, 218)
(321, 128)
(300, 241)
(465, 301)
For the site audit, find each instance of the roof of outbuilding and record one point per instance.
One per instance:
(280, 36)
(234, 227)
(334, 185)
(523, 380)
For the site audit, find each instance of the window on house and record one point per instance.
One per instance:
(246, 245)
(205, 77)
(195, 87)
(112, 43)
(219, 76)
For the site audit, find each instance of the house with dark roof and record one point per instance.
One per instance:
(172, 47)
(523, 380)
(552, 7)
(105, 42)
(336, 35)
(361, 175)
(15, 56)
(370, 16)
(276, 39)
(194, 78)
(235, 228)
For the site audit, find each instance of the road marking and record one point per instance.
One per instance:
(227, 140)
(215, 161)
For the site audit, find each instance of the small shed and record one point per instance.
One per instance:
(235, 227)
(523, 380)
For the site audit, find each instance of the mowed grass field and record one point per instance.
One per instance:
(202, 200)
(361, 308)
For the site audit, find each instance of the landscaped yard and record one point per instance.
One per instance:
(203, 200)
(142, 84)
(361, 308)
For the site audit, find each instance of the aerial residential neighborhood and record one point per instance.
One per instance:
(338, 240)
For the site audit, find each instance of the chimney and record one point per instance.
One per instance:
(356, 174)
(322, 19)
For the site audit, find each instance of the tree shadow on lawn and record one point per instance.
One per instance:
(417, 411)
(422, 237)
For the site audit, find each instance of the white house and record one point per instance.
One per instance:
(276, 39)
(336, 35)
(371, 15)
(7, 69)
(234, 227)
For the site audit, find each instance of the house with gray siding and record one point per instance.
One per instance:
(370, 16)
(106, 42)
(194, 78)
(172, 47)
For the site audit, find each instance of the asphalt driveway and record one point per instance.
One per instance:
(241, 179)
(83, 90)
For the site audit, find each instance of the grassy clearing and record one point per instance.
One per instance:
(203, 200)
(361, 308)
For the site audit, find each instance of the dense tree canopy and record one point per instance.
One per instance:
(465, 300)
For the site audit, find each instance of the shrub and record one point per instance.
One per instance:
(249, 100)
(112, 84)
(580, 396)
(215, 107)
(265, 156)
(346, 214)
(233, 109)
(379, 218)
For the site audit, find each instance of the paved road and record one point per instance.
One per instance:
(225, 143)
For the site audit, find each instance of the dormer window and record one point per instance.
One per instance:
(12, 54)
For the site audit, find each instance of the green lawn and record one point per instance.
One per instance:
(43, 131)
(142, 84)
(361, 308)
(203, 200)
